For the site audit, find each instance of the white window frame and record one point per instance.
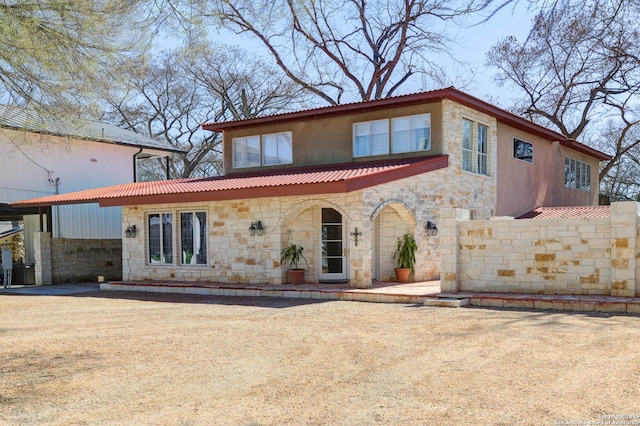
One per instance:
(467, 146)
(475, 149)
(483, 149)
(236, 153)
(413, 143)
(577, 174)
(370, 125)
(281, 136)
(202, 238)
(390, 145)
(161, 217)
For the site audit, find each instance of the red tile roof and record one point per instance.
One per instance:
(339, 178)
(451, 93)
(567, 212)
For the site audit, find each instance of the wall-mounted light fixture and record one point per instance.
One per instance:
(432, 228)
(256, 228)
(131, 231)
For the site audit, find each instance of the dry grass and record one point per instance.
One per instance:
(120, 358)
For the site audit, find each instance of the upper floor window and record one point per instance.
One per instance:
(193, 238)
(277, 148)
(522, 150)
(160, 232)
(483, 160)
(411, 133)
(408, 134)
(246, 151)
(371, 138)
(475, 145)
(577, 175)
(265, 150)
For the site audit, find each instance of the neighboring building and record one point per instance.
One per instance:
(345, 182)
(42, 155)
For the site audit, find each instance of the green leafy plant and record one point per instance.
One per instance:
(405, 254)
(292, 255)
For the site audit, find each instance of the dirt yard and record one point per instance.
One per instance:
(112, 358)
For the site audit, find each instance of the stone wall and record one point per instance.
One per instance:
(76, 260)
(596, 256)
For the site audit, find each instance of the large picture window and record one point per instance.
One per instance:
(408, 134)
(371, 138)
(160, 231)
(193, 238)
(265, 150)
(411, 133)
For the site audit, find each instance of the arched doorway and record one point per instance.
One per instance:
(389, 222)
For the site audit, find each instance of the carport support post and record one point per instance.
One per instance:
(450, 247)
(42, 257)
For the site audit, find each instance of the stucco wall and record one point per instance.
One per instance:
(550, 256)
(334, 135)
(523, 186)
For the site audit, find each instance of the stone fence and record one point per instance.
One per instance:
(60, 260)
(581, 256)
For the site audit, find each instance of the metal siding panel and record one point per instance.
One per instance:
(78, 164)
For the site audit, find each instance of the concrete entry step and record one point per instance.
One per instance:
(447, 302)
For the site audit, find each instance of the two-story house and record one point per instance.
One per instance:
(44, 155)
(345, 182)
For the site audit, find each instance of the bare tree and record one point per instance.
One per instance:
(243, 88)
(366, 48)
(52, 50)
(579, 66)
(171, 97)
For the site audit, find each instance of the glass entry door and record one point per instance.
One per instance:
(333, 259)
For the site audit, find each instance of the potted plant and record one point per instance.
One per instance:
(405, 255)
(292, 256)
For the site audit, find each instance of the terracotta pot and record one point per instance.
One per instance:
(402, 275)
(296, 276)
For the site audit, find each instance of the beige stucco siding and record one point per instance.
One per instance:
(523, 186)
(330, 140)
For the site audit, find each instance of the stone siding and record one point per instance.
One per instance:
(400, 206)
(589, 256)
(77, 260)
(396, 207)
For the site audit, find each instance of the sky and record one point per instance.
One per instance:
(476, 42)
(473, 42)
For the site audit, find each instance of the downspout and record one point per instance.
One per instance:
(167, 167)
(135, 165)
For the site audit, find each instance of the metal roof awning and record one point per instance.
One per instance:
(9, 213)
(328, 179)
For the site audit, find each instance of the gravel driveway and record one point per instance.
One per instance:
(115, 358)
